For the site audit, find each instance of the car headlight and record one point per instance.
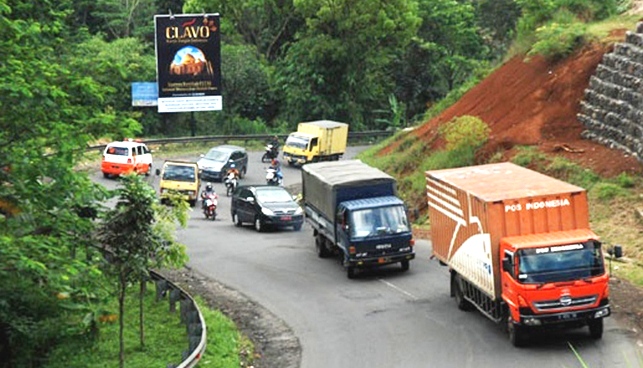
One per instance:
(299, 211)
(267, 211)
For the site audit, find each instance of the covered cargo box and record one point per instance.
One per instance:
(332, 135)
(325, 184)
(472, 208)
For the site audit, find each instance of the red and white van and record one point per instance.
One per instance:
(125, 157)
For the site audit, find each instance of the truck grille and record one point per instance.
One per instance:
(565, 302)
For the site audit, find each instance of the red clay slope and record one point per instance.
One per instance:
(535, 103)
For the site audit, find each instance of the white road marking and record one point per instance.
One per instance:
(409, 295)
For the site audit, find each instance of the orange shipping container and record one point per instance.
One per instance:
(472, 208)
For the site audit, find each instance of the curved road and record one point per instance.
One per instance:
(385, 318)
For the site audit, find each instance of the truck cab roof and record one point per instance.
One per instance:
(358, 204)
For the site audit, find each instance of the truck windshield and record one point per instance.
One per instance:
(378, 221)
(560, 263)
(297, 142)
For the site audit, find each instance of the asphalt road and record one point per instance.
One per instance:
(385, 318)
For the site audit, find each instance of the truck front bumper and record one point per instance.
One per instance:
(565, 317)
(294, 160)
(379, 261)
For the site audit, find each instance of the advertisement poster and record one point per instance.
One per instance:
(145, 94)
(188, 62)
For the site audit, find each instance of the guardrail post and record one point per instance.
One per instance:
(161, 288)
(175, 296)
(185, 307)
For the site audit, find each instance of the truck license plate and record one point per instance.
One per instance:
(567, 316)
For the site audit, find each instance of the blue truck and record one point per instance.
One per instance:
(354, 212)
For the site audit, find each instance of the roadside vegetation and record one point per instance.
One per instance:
(68, 85)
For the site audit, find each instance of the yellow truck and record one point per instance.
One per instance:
(179, 177)
(322, 140)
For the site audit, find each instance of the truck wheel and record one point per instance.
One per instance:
(351, 272)
(320, 247)
(595, 328)
(405, 265)
(516, 333)
(460, 301)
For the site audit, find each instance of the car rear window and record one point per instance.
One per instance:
(179, 173)
(120, 151)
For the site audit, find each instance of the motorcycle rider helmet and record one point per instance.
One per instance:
(208, 187)
(275, 162)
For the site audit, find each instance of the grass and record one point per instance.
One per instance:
(165, 339)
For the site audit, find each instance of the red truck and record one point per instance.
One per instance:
(518, 247)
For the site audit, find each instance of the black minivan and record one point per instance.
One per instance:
(265, 206)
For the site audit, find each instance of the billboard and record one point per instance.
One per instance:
(188, 62)
(145, 94)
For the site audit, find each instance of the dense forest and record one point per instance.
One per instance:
(65, 80)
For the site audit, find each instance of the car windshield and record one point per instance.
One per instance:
(560, 263)
(179, 173)
(216, 155)
(272, 195)
(297, 142)
(378, 221)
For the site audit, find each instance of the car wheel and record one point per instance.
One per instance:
(297, 227)
(259, 226)
(243, 172)
(236, 220)
(105, 175)
(351, 272)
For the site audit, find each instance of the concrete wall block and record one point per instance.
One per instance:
(634, 38)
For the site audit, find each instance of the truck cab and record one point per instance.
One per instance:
(550, 281)
(374, 232)
(321, 140)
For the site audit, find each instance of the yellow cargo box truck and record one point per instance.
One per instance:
(314, 141)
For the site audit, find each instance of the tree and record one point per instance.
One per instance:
(137, 241)
(45, 123)
(340, 65)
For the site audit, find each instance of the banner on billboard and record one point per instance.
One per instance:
(188, 62)
(145, 94)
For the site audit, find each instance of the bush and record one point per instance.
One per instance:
(608, 191)
(465, 131)
(558, 39)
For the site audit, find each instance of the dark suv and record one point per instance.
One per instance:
(214, 164)
(265, 206)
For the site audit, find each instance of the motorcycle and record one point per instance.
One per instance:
(231, 183)
(272, 178)
(272, 152)
(210, 203)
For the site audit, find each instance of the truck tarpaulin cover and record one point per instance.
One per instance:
(328, 183)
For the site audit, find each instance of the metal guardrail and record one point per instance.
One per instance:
(189, 311)
(248, 137)
(190, 315)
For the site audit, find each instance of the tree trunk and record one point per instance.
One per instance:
(141, 327)
(121, 319)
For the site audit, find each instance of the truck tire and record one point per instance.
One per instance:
(516, 333)
(405, 265)
(460, 301)
(595, 328)
(351, 272)
(320, 246)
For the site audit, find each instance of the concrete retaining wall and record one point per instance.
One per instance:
(612, 110)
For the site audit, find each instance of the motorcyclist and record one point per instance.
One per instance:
(274, 141)
(275, 165)
(233, 170)
(209, 191)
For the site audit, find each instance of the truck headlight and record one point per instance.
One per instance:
(602, 313)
